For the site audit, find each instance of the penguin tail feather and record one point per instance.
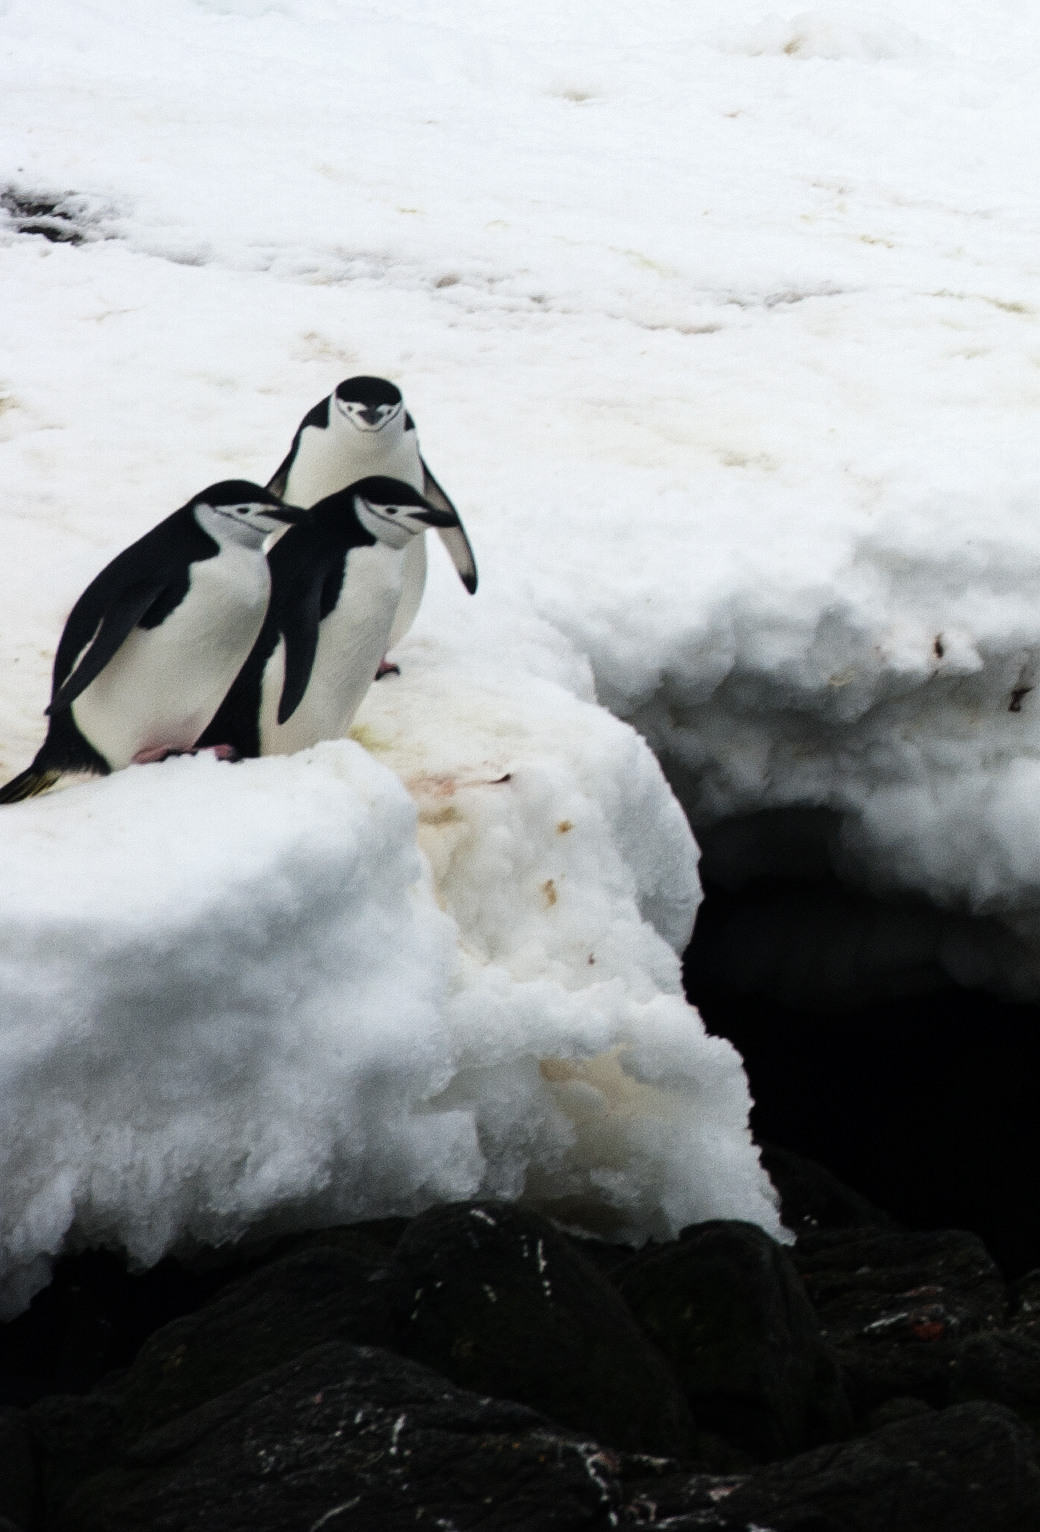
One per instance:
(29, 784)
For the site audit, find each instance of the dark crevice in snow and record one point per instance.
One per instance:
(863, 1052)
(783, 923)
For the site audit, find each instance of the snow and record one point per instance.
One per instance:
(231, 1003)
(720, 326)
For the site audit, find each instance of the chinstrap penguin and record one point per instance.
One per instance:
(155, 641)
(335, 589)
(361, 430)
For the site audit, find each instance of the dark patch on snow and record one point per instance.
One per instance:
(63, 218)
(782, 299)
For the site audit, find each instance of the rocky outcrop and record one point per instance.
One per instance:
(913, 1315)
(477, 1367)
(727, 1309)
(347, 1436)
(494, 1297)
(305, 1299)
(972, 1468)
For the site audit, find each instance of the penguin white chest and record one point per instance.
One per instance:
(330, 459)
(164, 684)
(352, 640)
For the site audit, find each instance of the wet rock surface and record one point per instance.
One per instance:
(351, 1436)
(493, 1296)
(966, 1469)
(726, 1308)
(17, 1470)
(315, 1295)
(910, 1314)
(478, 1367)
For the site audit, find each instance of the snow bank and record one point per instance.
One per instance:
(230, 1000)
(570, 871)
(729, 359)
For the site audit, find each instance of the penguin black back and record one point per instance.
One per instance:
(307, 564)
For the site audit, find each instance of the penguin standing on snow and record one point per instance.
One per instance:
(155, 641)
(336, 590)
(360, 431)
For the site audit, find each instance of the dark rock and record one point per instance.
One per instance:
(726, 1307)
(604, 1255)
(494, 1297)
(874, 1374)
(859, 1279)
(74, 1438)
(91, 1319)
(898, 1307)
(997, 1365)
(896, 1409)
(812, 1198)
(17, 1470)
(972, 1468)
(354, 1437)
(373, 1240)
(94, 1315)
(1000, 1366)
(1025, 1305)
(255, 1324)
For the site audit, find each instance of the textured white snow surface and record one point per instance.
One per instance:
(720, 324)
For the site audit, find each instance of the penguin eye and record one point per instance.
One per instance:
(391, 510)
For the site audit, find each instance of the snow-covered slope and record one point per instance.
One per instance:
(720, 325)
(231, 1002)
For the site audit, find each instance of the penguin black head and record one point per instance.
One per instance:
(236, 502)
(369, 403)
(389, 510)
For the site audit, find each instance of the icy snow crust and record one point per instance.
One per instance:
(720, 325)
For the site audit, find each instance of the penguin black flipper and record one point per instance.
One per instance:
(118, 622)
(454, 538)
(312, 595)
(299, 630)
(149, 579)
(299, 584)
(317, 417)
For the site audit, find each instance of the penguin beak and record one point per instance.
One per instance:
(434, 518)
(290, 514)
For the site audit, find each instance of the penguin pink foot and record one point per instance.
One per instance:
(166, 752)
(387, 669)
(156, 753)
